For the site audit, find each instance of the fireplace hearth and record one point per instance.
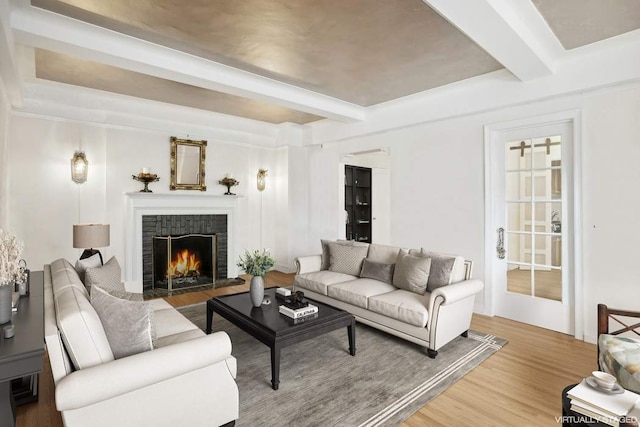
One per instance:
(184, 261)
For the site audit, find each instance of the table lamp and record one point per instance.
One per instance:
(90, 236)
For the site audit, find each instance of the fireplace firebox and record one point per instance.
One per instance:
(184, 261)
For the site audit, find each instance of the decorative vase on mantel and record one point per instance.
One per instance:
(6, 292)
(256, 290)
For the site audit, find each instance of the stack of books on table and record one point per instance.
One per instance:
(308, 310)
(601, 406)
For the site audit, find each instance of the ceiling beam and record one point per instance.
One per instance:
(48, 30)
(498, 27)
(9, 74)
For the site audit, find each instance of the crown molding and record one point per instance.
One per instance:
(67, 102)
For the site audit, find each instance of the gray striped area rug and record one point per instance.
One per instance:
(322, 385)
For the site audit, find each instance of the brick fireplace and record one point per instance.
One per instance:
(176, 214)
(160, 231)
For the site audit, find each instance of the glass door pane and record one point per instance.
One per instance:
(534, 217)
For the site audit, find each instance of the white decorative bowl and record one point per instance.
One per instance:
(604, 380)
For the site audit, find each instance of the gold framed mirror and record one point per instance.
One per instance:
(187, 164)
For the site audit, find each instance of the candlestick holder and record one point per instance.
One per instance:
(146, 178)
(229, 182)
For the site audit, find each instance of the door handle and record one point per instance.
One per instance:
(500, 247)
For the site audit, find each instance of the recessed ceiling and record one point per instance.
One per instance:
(580, 22)
(67, 69)
(361, 51)
(330, 58)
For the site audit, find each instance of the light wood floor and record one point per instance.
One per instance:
(520, 385)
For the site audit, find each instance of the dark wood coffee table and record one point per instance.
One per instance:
(276, 330)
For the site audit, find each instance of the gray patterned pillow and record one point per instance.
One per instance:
(411, 272)
(326, 256)
(441, 269)
(128, 325)
(107, 276)
(377, 270)
(93, 261)
(347, 259)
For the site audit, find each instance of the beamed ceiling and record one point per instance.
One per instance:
(354, 52)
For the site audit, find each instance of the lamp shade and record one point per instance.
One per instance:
(90, 235)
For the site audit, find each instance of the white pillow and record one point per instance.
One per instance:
(93, 261)
(129, 325)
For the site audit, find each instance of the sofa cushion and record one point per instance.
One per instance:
(107, 276)
(94, 261)
(170, 321)
(441, 270)
(129, 325)
(402, 305)
(357, 292)
(383, 253)
(326, 256)
(411, 272)
(319, 281)
(458, 270)
(81, 329)
(347, 259)
(377, 270)
(64, 275)
(620, 356)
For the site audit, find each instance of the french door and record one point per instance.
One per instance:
(532, 216)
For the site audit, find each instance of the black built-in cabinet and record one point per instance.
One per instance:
(357, 203)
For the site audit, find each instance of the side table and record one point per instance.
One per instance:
(21, 356)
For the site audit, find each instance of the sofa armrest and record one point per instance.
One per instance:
(102, 382)
(308, 264)
(457, 291)
(449, 295)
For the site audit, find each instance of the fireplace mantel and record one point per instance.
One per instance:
(139, 204)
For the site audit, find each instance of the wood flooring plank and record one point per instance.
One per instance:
(519, 385)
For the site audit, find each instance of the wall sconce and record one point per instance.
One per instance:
(79, 167)
(262, 179)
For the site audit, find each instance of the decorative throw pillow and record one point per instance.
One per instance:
(411, 272)
(347, 259)
(377, 270)
(326, 256)
(107, 276)
(441, 269)
(127, 324)
(93, 261)
(124, 295)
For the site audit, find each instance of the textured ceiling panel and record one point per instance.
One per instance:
(580, 22)
(67, 69)
(361, 51)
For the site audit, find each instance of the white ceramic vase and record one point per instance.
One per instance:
(256, 290)
(5, 303)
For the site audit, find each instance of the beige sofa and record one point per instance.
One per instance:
(430, 320)
(187, 379)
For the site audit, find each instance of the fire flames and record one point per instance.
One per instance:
(185, 264)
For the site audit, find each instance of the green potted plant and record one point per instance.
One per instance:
(10, 271)
(257, 264)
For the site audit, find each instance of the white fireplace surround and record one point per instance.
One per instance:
(140, 204)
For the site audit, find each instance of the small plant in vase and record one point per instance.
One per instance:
(257, 264)
(10, 271)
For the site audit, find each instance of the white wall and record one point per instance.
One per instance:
(437, 184)
(4, 172)
(44, 203)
